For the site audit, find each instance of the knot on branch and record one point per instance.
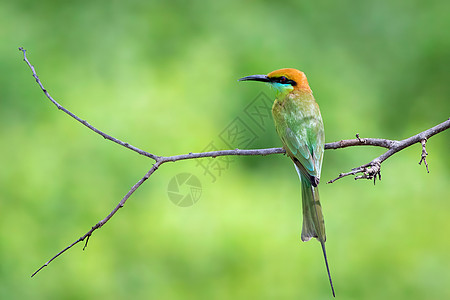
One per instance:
(371, 170)
(361, 140)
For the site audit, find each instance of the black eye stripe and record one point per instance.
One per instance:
(284, 80)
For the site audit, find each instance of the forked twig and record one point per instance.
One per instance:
(372, 169)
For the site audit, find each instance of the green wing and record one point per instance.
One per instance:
(299, 149)
(304, 140)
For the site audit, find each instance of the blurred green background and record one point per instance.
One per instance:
(162, 76)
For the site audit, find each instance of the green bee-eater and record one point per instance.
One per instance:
(299, 124)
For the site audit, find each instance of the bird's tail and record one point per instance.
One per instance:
(313, 223)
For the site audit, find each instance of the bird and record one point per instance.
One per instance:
(299, 125)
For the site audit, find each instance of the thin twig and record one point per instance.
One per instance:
(108, 217)
(369, 171)
(424, 154)
(84, 122)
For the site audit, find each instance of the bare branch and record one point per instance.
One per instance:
(214, 154)
(368, 171)
(372, 169)
(159, 161)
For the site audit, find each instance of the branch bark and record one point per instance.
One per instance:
(369, 171)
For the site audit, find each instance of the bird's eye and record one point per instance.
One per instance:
(283, 79)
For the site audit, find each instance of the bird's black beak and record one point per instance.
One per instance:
(262, 78)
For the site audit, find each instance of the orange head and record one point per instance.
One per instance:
(284, 80)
